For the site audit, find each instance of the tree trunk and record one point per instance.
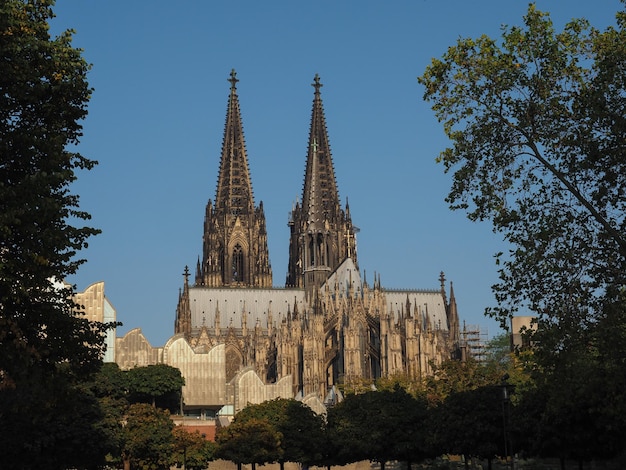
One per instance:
(562, 463)
(466, 459)
(126, 464)
(489, 463)
(382, 465)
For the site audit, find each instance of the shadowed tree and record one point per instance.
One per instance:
(252, 441)
(159, 384)
(293, 420)
(537, 124)
(192, 451)
(378, 425)
(147, 440)
(47, 348)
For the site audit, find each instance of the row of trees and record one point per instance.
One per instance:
(487, 411)
(130, 422)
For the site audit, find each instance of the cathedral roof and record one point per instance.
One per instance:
(347, 277)
(229, 305)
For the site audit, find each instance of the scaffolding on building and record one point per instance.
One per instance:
(474, 338)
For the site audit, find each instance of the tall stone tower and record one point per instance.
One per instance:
(322, 235)
(235, 250)
(326, 328)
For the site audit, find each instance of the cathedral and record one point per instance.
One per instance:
(238, 339)
(327, 327)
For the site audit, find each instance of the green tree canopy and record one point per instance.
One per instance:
(250, 441)
(147, 440)
(192, 451)
(292, 419)
(378, 425)
(537, 124)
(159, 384)
(43, 99)
(471, 423)
(46, 347)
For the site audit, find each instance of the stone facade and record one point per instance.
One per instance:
(239, 340)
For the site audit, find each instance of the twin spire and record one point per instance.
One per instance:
(235, 237)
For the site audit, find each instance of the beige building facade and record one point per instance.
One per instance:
(98, 308)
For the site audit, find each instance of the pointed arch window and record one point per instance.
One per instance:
(238, 263)
(222, 263)
(311, 252)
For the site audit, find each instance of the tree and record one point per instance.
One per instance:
(109, 387)
(254, 441)
(192, 451)
(147, 437)
(44, 341)
(470, 423)
(458, 376)
(402, 420)
(292, 419)
(378, 425)
(537, 123)
(158, 384)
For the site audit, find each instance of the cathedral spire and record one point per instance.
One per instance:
(234, 186)
(322, 235)
(320, 196)
(235, 252)
(183, 309)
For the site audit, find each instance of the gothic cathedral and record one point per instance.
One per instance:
(327, 327)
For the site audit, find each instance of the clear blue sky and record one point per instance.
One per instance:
(156, 123)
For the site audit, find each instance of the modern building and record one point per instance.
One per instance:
(238, 339)
(96, 307)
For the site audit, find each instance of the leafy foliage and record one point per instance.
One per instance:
(470, 423)
(47, 348)
(147, 437)
(191, 449)
(452, 377)
(43, 99)
(378, 425)
(291, 419)
(537, 128)
(159, 384)
(253, 441)
(537, 125)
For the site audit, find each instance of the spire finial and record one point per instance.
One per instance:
(233, 80)
(316, 84)
(186, 274)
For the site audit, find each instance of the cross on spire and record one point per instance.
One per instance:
(316, 84)
(233, 79)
